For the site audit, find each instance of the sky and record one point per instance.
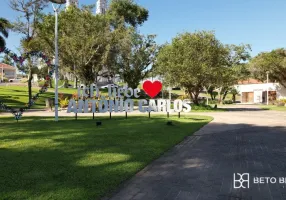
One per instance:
(260, 23)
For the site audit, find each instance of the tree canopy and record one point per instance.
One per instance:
(136, 57)
(273, 62)
(26, 24)
(131, 13)
(4, 26)
(197, 61)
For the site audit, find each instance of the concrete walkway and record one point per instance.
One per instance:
(201, 167)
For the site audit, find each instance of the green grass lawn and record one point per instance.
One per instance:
(274, 107)
(42, 159)
(17, 96)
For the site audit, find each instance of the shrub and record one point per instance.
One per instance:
(75, 96)
(280, 102)
(213, 101)
(5, 80)
(182, 97)
(227, 102)
(64, 102)
(201, 107)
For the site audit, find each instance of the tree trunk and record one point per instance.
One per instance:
(50, 81)
(224, 95)
(219, 98)
(30, 84)
(234, 98)
(194, 96)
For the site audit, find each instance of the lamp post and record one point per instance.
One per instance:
(267, 87)
(56, 9)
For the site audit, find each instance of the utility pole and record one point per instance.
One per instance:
(267, 87)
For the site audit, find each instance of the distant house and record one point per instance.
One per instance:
(7, 71)
(255, 91)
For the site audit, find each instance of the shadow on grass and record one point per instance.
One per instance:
(19, 101)
(43, 159)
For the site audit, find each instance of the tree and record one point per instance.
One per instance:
(7, 60)
(26, 25)
(233, 70)
(84, 41)
(234, 92)
(128, 12)
(273, 62)
(4, 26)
(136, 57)
(192, 61)
(89, 44)
(212, 92)
(125, 16)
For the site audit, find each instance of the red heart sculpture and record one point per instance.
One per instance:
(152, 88)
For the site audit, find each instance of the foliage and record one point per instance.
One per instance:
(212, 93)
(5, 80)
(127, 11)
(213, 101)
(202, 107)
(199, 61)
(66, 83)
(280, 102)
(84, 41)
(4, 26)
(234, 92)
(273, 62)
(7, 60)
(235, 69)
(135, 58)
(192, 61)
(64, 102)
(75, 96)
(26, 25)
(227, 102)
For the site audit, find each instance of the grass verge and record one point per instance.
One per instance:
(274, 107)
(68, 160)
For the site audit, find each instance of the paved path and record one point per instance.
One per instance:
(202, 166)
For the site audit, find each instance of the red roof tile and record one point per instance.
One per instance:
(249, 81)
(5, 66)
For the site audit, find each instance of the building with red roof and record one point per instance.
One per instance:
(7, 71)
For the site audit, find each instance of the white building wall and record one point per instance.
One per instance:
(258, 89)
(8, 73)
(258, 96)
